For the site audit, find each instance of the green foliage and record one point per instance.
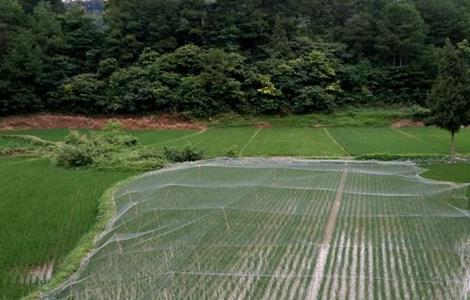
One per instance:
(341, 117)
(445, 19)
(188, 153)
(79, 151)
(408, 156)
(401, 32)
(107, 67)
(82, 93)
(113, 134)
(111, 148)
(450, 97)
(314, 98)
(203, 58)
(231, 151)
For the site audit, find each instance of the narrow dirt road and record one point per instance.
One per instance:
(315, 284)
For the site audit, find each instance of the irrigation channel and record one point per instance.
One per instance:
(280, 229)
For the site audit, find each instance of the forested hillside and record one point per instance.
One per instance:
(204, 57)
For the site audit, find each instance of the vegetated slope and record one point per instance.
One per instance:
(146, 137)
(44, 213)
(398, 141)
(255, 229)
(207, 57)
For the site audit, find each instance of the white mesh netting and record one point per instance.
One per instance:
(281, 229)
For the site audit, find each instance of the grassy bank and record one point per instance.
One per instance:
(459, 173)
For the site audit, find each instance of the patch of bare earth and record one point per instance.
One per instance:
(49, 121)
(263, 125)
(40, 274)
(320, 264)
(406, 123)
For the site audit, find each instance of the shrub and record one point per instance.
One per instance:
(109, 149)
(114, 135)
(188, 153)
(231, 151)
(79, 150)
(71, 156)
(13, 151)
(410, 156)
(141, 159)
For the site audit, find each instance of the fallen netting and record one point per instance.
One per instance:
(280, 229)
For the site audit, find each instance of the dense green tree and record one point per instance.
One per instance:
(360, 34)
(124, 27)
(83, 93)
(21, 67)
(444, 19)
(450, 97)
(279, 42)
(29, 5)
(401, 33)
(205, 57)
(11, 17)
(82, 38)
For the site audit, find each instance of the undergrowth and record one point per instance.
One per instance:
(349, 117)
(113, 148)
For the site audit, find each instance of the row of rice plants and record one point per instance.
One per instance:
(293, 142)
(44, 213)
(389, 252)
(262, 242)
(370, 140)
(216, 141)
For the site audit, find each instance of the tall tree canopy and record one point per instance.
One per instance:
(247, 56)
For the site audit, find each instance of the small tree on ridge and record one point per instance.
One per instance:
(450, 97)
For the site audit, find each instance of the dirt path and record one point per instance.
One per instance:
(320, 264)
(249, 141)
(335, 141)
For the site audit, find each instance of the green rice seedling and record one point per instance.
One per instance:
(388, 141)
(293, 142)
(214, 141)
(278, 228)
(44, 212)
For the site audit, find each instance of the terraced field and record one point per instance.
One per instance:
(286, 229)
(372, 140)
(44, 211)
(293, 142)
(216, 141)
(285, 141)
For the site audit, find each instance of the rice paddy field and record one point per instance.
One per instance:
(281, 229)
(293, 142)
(398, 141)
(284, 141)
(407, 246)
(44, 211)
